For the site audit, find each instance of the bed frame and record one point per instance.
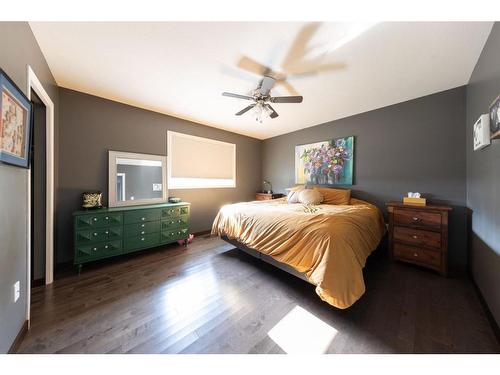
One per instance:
(266, 258)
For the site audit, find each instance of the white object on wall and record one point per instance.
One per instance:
(482, 132)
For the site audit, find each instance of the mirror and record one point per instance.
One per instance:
(136, 179)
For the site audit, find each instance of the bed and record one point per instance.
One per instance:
(327, 245)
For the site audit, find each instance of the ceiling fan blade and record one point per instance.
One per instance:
(231, 95)
(273, 113)
(287, 99)
(246, 109)
(249, 64)
(266, 85)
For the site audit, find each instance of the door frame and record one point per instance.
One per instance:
(35, 85)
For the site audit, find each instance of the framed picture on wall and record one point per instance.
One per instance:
(325, 163)
(15, 123)
(495, 118)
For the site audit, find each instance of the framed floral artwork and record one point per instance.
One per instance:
(15, 123)
(325, 163)
(495, 118)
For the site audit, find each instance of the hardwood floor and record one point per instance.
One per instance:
(212, 298)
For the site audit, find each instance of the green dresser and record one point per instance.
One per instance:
(107, 232)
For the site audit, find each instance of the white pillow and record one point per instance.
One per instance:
(293, 194)
(310, 196)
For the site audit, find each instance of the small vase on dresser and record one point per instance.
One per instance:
(418, 234)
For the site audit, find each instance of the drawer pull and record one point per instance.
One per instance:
(142, 232)
(95, 249)
(95, 219)
(95, 234)
(142, 238)
(143, 225)
(415, 237)
(143, 218)
(416, 219)
(106, 246)
(107, 232)
(415, 254)
(171, 222)
(107, 217)
(179, 221)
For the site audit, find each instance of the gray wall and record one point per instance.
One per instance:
(18, 49)
(90, 126)
(412, 146)
(483, 177)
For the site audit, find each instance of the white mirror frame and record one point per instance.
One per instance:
(112, 156)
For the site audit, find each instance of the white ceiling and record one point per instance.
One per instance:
(181, 69)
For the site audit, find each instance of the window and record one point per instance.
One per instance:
(196, 162)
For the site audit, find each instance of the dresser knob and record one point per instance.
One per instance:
(95, 234)
(142, 232)
(171, 222)
(416, 219)
(107, 218)
(142, 239)
(142, 225)
(95, 219)
(415, 254)
(415, 236)
(95, 249)
(143, 218)
(106, 246)
(107, 232)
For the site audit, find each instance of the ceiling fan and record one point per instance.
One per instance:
(261, 98)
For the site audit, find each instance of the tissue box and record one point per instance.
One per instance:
(419, 201)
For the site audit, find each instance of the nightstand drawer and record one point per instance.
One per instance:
(418, 219)
(417, 237)
(418, 255)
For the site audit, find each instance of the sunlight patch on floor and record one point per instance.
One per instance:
(300, 332)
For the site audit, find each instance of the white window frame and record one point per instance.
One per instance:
(197, 183)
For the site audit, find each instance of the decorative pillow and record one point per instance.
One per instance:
(310, 196)
(293, 194)
(335, 196)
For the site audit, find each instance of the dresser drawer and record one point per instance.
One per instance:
(417, 237)
(167, 213)
(174, 235)
(98, 220)
(140, 242)
(99, 250)
(98, 235)
(140, 216)
(418, 255)
(139, 229)
(418, 219)
(177, 222)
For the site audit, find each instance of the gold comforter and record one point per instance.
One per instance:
(328, 243)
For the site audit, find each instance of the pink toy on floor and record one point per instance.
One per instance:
(190, 239)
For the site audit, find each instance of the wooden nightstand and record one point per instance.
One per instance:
(267, 196)
(419, 234)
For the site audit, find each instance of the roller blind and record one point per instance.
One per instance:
(196, 162)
